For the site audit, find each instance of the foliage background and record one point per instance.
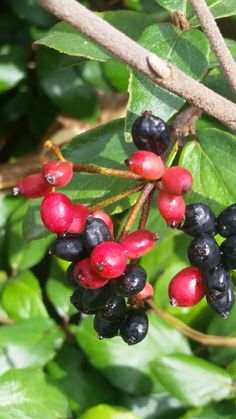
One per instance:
(51, 364)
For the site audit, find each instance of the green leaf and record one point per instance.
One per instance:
(108, 412)
(68, 40)
(173, 5)
(216, 81)
(26, 393)
(22, 297)
(118, 75)
(29, 343)
(32, 12)
(219, 9)
(187, 50)
(222, 410)
(213, 166)
(193, 380)
(129, 367)
(12, 66)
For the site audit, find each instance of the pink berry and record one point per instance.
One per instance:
(81, 214)
(139, 242)
(171, 207)
(108, 259)
(146, 293)
(58, 173)
(146, 164)
(177, 180)
(32, 186)
(57, 212)
(186, 288)
(102, 215)
(84, 274)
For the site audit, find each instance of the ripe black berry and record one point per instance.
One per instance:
(204, 252)
(226, 222)
(150, 133)
(228, 249)
(216, 281)
(90, 301)
(114, 308)
(106, 328)
(131, 282)
(134, 326)
(199, 219)
(69, 248)
(223, 305)
(95, 232)
(69, 275)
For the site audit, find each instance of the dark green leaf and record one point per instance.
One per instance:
(118, 74)
(29, 10)
(12, 66)
(108, 412)
(222, 410)
(173, 5)
(219, 9)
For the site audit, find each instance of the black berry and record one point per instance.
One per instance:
(114, 308)
(216, 281)
(199, 219)
(204, 252)
(69, 275)
(106, 328)
(131, 282)
(228, 249)
(223, 305)
(134, 326)
(95, 232)
(90, 301)
(226, 222)
(150, 133)
(69, 248)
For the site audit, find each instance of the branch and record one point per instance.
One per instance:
(216, 40)
(137, 57)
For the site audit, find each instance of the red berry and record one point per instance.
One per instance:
(32, 186)
(146, 164)
(102, 215)
(139, 242)
(186, 288)
(146, 293)
(57, 212)
(81, 214)
(58, 173)
(171, 207)
(108, 259)
(84, 274)
(177, 180)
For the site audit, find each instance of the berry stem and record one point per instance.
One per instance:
(115, 198)
(105, 171)
(211, 340)
(54, 150)
(145, 211)
(135, 210)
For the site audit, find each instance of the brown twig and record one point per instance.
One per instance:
(136, 56)
(145, 211)
(6, 321)
(106, 171)
(210, 28)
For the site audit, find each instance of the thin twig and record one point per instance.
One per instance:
(145, 211)
(6, 321)
(136, 56)
(210, 340)
(210, 28)
(105, 171)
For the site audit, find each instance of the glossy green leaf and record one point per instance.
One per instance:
(68, 40)
(219, 9)
(213, 166)
(173, 5)
(217, 81)
(222, 410)
(12, 66)
(22, 297)
(26, 393)
(187, 50)
(118, 75)
(108, 412)
(129, 367)
(193, 380)
(29, 343)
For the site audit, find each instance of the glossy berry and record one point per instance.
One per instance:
(57, 173)
(204, 252)
(171, 207)
(57, 212)
(134, 326)
(95, 232)
(69, 248)
(177, 180)
(139, 242)
(106, 328)
(216, 281)
(186, 288)
(150, 133)
(199, 219)
(114, 308)
(85, 275)
(108, 259)
(146, 293)
(81, 214)
(146, 164)
(102, 215)
(228, 249)
(32, 186)
(131, 282)
(226, 222)
(224, 304)
(90, 301)
(70, 275)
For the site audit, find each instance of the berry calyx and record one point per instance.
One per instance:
(146, 164)
(102, 215)
(131, 282)
(57, 173)
(86, 277)
(226, 221)
(186, 288)
(198, 219)
(32, 186)
(204, 252)
(134, 326)
(95, 232)
(171, 207)
(177, 180)
(146, 293)
(108, 259)
(139, 242)
(81, 214)
(57, 212)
